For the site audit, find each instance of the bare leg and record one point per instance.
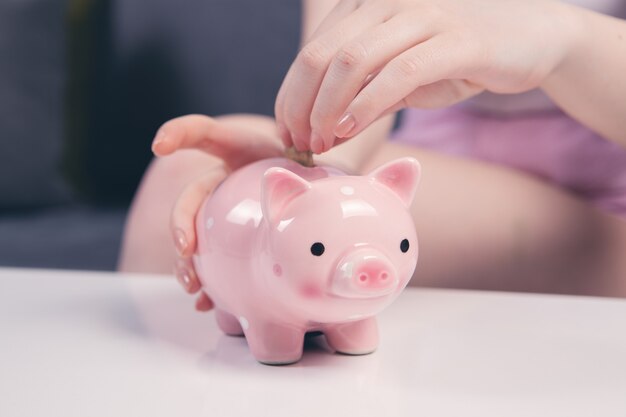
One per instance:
(488, 227)
(147, 245)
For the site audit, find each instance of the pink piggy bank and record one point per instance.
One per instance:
(284, 250)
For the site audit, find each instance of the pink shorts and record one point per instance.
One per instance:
(549, 145)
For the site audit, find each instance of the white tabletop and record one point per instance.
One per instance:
(97, 344)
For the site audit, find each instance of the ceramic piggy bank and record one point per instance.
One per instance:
(284, 250)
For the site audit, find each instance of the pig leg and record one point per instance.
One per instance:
(274, 344)
(228, 323)
(353, 338)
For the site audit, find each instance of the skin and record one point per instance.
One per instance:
(503, 229)
(225, 144)
(368, 58)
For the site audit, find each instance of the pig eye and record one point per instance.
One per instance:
(404, 245)
(317, 248)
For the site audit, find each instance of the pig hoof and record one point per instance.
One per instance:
(279, 363)
(357, 352)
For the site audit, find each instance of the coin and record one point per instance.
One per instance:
(304, 158)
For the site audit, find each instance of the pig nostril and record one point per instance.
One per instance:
(384, 276)
(362, 277)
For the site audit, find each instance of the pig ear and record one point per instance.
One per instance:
(400, 176)
(280, 187)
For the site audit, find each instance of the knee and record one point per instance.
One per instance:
(570, 249)
(177, 170)
(146, 244)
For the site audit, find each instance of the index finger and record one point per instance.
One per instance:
(305, 77)
(234, 144)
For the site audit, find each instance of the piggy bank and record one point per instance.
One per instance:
(284, 250)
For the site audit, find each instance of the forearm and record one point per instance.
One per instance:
(589, 83)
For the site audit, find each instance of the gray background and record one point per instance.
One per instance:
(84, 86)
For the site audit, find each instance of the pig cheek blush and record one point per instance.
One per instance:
(310, 290)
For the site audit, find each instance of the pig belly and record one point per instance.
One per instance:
(228, 281)
(229, 247)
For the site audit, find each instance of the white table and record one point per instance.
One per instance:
(97, 344)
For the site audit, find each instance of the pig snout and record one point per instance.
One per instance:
(365, 273)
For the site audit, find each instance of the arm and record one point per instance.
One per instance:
(589, 83)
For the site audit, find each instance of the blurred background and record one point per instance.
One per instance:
(85, 84)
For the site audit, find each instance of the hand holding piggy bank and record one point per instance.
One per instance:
(284, 250)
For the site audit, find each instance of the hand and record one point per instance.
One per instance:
(373, 57)
(235, 140)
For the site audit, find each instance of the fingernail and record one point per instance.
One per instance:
(317, 143)
(345, 126)
(284, 135)
(181, 241)
(160, 138)
(186, 277)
